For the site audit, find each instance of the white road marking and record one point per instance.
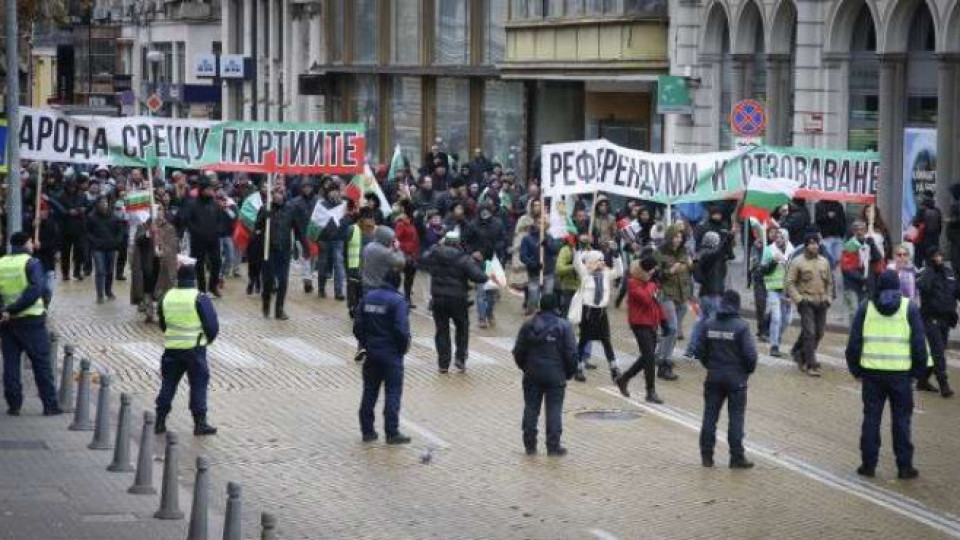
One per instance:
(230, 354)
(349, 340)
(148, 353)
(305, 353)
(430, 436)
(850, 389)
(895, 502)
(602, 534)
(473, 357)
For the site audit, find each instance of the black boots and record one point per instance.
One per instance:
(201, 427)
(945, 390)
(665, 372)
(265, 307)
(740, 462)
(161, 425)
(280, 313)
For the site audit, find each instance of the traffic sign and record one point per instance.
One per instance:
(748, 118)
(154, 103)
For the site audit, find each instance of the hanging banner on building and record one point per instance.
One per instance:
(919, 169)
(193, 144)
(599, 165)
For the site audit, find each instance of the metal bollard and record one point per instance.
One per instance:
(231, 525)
(54, 349)
(170, 489)
(198, 510)
(66, 380)
(81, 413)
(121, 450)
(101, 432)
(143, 481)
(268, 526)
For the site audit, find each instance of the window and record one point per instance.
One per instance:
(453, 35)
(365, 109)
(335, 54)
(574, 7)
(406, 32)
(726, 92)
(365, 32)
(496, 36)
(453, 116)
(407, 114)
(864, 81)
(503, 122)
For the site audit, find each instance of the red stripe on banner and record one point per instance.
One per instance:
(839, 197)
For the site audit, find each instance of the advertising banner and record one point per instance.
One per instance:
(599, 165)
(919, 168)
(192, 144)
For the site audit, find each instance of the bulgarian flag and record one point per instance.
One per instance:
(764, 195)
(322, 216)
(365, 183)
(248, 219)
(396, 163)
(137, 206)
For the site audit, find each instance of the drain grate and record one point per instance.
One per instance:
(610, 415)
(23, 444)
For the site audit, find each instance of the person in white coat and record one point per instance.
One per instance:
(589, 307)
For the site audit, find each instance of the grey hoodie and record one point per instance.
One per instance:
(379, 258)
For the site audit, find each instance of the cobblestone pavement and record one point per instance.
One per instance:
(285, 397)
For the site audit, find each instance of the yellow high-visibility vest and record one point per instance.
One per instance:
(13, 282)
(354, 245)
(184, 328)
(886, 340)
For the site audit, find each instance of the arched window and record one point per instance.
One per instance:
(921, 70)
(726, 89)
(864, 82)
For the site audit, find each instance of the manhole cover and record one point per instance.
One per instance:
(609, 415)
(23, 445)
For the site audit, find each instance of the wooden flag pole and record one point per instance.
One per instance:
(542, 226)
(266, 224)
(36, 208)
(593, 212)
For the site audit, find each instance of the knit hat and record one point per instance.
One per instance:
(888, 281)
(711, 239)
(549, 302)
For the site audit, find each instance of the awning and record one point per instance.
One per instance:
(625, 77)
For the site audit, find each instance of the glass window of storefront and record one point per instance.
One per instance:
(496, 36)
(406, 32)
(453, 35)
(453, 115)
(407, 113)
(365, 109)
(365, 32)
(503, 122)
(864, 81)
(921, 71)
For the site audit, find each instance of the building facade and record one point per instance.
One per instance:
(841, 74)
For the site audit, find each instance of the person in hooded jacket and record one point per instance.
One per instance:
(451, 271)
(710, 270)
(302, 206)
(676, 289)
(546, 351)
(485, 237)
(930, 220)
(887, 349)
(284, 230)
(535, 265)
(726, 348)
(73, 214)
(201, 218)
(938, 308)
(105, 235)
(645, 317)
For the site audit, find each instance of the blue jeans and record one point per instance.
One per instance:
(674, 311)
(714, 394)
(49, 287)
(485, 303)
(709, 305)
(876, 389)
(331, 254)
(834, 247)
(535, 292)
(375, 374)
(173, 365)
(778, 308)
(231, 259)
(103, 262)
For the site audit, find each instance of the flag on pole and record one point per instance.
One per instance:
(322, 216)
(396, 163)
(365, 183)
(137, 206)
(764, 195)
(248, 219)
(561, 223)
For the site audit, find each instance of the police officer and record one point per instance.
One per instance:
(885, 350)
(189, 325)
(546, 351)
(725, 347)
(23, 326)
(382, 328)
(938, 307)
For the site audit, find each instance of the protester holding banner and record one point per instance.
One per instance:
(281, 219)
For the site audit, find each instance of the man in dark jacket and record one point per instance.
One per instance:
(710, 270)
(726, 348)
(484, 237)
(382, 328)
(530, 257)
(546, 351)
(105, 236)
(303, 210)
(832, 225)
(938, 308)
(73, 208)
(46, 252)
(332, 239)
(886, 349)
(201, 217)
(930, 219)
(451, 270)
(276, 269)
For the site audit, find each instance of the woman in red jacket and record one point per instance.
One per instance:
(406, 235)
(645, 316)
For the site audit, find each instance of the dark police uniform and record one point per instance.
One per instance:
(382, 328)
(546, 351)
(21, 290)
(189, 324)
(725, 347)
(887, 349)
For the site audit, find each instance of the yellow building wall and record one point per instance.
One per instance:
(632, 43)
(44, 79)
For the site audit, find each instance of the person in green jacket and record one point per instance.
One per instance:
(568, 282)
(676, 288)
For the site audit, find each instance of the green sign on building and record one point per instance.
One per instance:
(673, 97)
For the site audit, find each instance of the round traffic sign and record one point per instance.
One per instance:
(748, 118)
(154, 103)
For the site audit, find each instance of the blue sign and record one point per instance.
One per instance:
(3, 145)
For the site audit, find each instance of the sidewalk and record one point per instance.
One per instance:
(52, 487)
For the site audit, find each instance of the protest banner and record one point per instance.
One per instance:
(599, 165)
(192, 144)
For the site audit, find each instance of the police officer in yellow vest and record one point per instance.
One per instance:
(887, 349)
(189, 325)
(23, 326)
